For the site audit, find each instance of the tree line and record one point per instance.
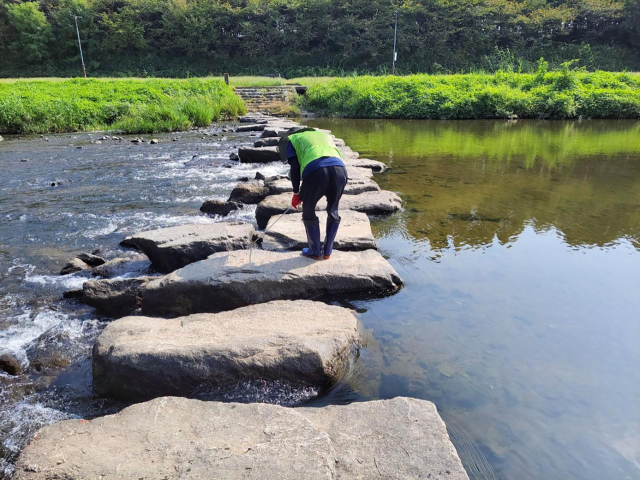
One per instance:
(313, 37)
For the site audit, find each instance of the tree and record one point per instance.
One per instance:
(32, 32)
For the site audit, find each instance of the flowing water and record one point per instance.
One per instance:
(519, 246)
(520, 319)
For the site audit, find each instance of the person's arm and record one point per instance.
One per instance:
(294, 174)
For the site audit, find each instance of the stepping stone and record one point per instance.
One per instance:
(174, 247)
(371, 203)
(251, 128)
(374, 165)
(258, 154)
(231, 280)
(354, 186)
(139, 264)
(251, 192)
(303, 342)
(267, 142)
(288, 233)
(176, 438)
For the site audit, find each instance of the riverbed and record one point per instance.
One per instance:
(519, 246)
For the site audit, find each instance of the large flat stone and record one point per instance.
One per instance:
(174, 247)
(176, 438)
(355, 185)
(288, 232)
(231, 280)
(303, 342)
(258, 154)
(372, 203)
(373, 165)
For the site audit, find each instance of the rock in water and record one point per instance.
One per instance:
(116, 297)
(258, 155)
(138, 264)
(231, 280)
(288, 232)
(91, 259)
(267, 142)
(372, 203)
(10, 364)
(306, 343)
(252, 192)
(354, 186)
(174, 247)
(374, 165)
(75, 265)
(251, 128)
(176, 438)
(218, 207)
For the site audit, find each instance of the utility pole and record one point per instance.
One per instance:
(84, 70)
(395, 37)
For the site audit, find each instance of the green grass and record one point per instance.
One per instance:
(127, 105)
(546, 95)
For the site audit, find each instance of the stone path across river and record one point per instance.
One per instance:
(243, 314)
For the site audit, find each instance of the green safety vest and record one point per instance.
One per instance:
(313, 145)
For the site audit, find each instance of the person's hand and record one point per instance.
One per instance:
(295, 200)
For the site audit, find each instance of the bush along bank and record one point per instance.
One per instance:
(126, 105)
(546, 95)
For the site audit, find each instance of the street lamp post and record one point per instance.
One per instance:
(84, 70)
(395, 36)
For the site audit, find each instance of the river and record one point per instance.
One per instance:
(519, 246)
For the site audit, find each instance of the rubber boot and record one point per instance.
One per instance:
(313, 237)
(332, 230)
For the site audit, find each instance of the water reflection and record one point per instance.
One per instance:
(520, 317)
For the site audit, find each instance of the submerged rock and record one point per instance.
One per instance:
(10, 364)
(218, 207)
(175, 438)
(251, 192)
(372, 203)
(258, 155)
(231, 280)
(302, 342)
(174, 247)
(288, 232)
(138, 264)
(115, 297)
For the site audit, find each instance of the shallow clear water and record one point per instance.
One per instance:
(520, 319)
(519, 246)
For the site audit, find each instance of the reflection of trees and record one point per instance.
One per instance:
(468, 182)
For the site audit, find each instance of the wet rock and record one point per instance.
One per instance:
(236, 279)
(91, 259)
(1, 139)
(137, 264)
(9, 364)
(259, 176)
(77, 294)
(402, 438)
(251, 128)
(278, 129)
(354, 186)
(371, 203)
(234, 156)
(154, 141)
(255, 119)
(302, 342)
(243, 179)
(218, 207)
(267, 142)
(288, 233)
(128, 242)
(258, 155)
(250, 192)
(115, 297)
(75, 265)
(174, 247)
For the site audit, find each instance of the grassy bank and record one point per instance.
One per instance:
(126, 105)
(553, 95)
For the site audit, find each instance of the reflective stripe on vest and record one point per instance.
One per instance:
(313, 145)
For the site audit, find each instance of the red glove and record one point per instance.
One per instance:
(295, 200)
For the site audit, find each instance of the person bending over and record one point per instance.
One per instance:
(316, 160)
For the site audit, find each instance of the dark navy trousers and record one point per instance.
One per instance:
(324, 182)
